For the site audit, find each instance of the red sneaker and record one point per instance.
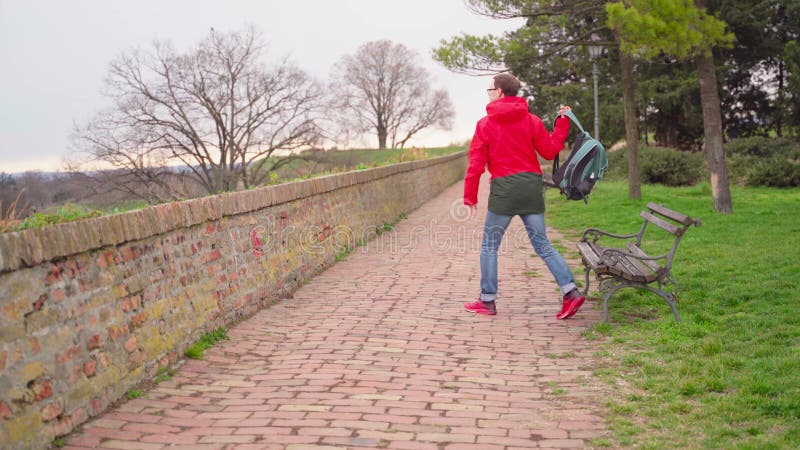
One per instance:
(479, 307)
(570, 306)
(565, 306)
(576, 305)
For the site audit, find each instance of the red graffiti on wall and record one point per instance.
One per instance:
(256, 242)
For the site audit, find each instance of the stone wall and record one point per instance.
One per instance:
(90, 309)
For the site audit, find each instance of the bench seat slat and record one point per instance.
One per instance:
(630, 269)
(589, 254)
(652, 264)
(637, 271)
(661, 223)
(681, 218)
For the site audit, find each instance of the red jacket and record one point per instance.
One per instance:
(507, 139)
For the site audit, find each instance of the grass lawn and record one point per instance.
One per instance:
(310, 164)
(728, 376)
(320, 163)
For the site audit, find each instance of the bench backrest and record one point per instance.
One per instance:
(658, 213)
(668, 220)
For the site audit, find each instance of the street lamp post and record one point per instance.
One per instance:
(594, 52)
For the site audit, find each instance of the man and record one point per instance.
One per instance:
(507, 141)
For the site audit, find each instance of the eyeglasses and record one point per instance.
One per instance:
(492, 89)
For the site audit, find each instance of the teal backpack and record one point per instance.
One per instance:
(585, 165)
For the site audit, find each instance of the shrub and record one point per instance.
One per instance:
(67, 213)
(760, 161)
(774, 171)
(752, 161)
(660, 165)
(671, 167)
(758, 146)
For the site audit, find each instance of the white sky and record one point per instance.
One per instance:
(54, 54)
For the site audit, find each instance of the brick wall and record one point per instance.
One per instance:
(90, 309)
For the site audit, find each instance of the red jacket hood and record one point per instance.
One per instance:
(507, 109)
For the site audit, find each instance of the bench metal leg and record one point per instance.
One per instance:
(586, 285)
(609, 286)
(670, 298)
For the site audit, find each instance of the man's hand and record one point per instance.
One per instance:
(473, 211)
(562, 109)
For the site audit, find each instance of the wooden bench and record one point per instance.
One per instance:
(627, 265)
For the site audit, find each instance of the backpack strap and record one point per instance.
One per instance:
(555, 169)
(574, 119)
(577, 122)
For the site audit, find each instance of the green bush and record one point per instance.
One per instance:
(67, 213)
(760, 161)
(752, 161)
(660, 165)
(759, 146)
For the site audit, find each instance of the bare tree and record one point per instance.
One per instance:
(9, 192)
(382, 88)
(37, 187)
(216, 112)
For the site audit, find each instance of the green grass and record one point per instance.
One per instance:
(207, 341)
(125, 206)
(134, 393)
(384, 229)
(316, 163)
(555, 389)
(728, 376)
(533, 273)
(389, 155)
(67, 213)
(344, 253)
(560, 355)
(313, 164)
(164, 374)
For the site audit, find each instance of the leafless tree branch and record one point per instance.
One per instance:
(215, 112)
(381, 88)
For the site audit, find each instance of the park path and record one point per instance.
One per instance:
(378, 352)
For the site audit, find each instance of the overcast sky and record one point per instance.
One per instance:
(54, 54)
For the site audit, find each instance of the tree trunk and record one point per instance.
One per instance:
(631, 129)
(781, 101)
(382, 134)
(712, 133)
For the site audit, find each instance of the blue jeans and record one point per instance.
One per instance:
(493, 230)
